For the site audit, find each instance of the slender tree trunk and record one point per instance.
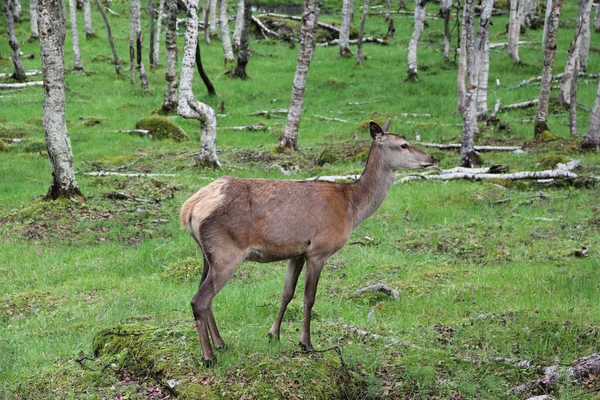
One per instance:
(189, 107)
(476, 50)
(203, 75)
(139, 41)
(171, 99)
(132, 25)
(243, 53)
(33, 19)
(151, 20)
(206, 10)
(110, 38)
(87, 20)
(213, 19)
(541, 118)
(347, 12)
(362, 32)
(463, 56)
(225, 40)
(420, 11)
(239, 23)
(52, 41)
(592, 139)
(548, 10)
(17, 10)
(564, 94)
(402, 4)
(584, 48)
(529, 13)
(514, 29)
(597, 18)
(77, 65)
(19, 73)
(573, 100)
(387, 10)
(310, 17)
(483, 79)
(161, 9)
(445, 14)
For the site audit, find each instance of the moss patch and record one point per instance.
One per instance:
(551, 160)
(3, 145)
(354, 150)
(162, 128)
(181, 271)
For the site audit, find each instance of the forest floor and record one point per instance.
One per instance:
(496, 279)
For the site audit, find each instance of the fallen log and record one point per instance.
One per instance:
(454, 146)
(380, 287)
(522, 104)
(269, 112)
(129, 175)
(296, 18)
(29, 73)
(20, 85)
(257, 127)
(554, 78)
(369, 39)
(497, 45)
(330, 119)
(264, 28)
(141, 132)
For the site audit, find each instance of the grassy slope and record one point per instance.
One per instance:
(476, 279)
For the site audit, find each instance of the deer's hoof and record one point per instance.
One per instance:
(272, 337)
(221, 346)
(308, 348)
(209, 362)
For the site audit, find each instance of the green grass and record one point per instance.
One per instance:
(477, 279)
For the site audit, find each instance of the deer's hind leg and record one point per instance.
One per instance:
(294, 268)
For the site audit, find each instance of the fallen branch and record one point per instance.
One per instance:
(111, 11)
(330, 119)
(380, 287)
(454, 146)
(554, 78)
(269, 112)
(414, 115)
(369, 39)
(141, 132)
(132, 175)
(496, 45)
(296, 18)
(523, 104)
(29, 73)
(125, 196)
(20, 85)
(257, 127)
(360, 103)
(264, 28)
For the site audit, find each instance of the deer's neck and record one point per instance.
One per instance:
(370, 190)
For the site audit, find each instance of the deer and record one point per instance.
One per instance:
(304, 222)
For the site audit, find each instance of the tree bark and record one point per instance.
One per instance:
(33, 19)
(17, 10)
(225, 39)
(592, 139)
(77, 65)
(243, 53)
(171, 99)
(597, 18)
(52, 40)
(514, 29)
(362, 32)
(547, 15)
(206, 11)
(87, 20)
(402, 4)
(529, 14)
(462, 65)
(387, 10)
(136, 29)
(19, 73)
(110, 38)
(203, 75)
(573, 58)
(541, 118)
(573, 100)
(347, 13)
(213, 19)
(445, 6)
(585, 7)
(189, 107)
(420, 11)
(161, 9)
(151, 20)
(239, 23)
(132, 25)
(483, 79)
(310, 17)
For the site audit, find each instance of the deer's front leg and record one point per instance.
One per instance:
(294, 268)
(313, 272)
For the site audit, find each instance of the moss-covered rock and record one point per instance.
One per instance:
(162, 128)
(547, 136)
(550, 161)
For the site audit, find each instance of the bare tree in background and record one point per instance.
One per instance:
(132, 25)
(585, 9)
(362, 32)
(171, 100)
(541, 118)
(484, 70)
(548, 10)
(225, 39)
(213, 19)
(19, 73)
(529, 13)
(87, 20)
(110, 38)
(592, 139)
(420, 12)
(347, 13)
(402, 4)
(77, 65)
(564, 94)
(206, 13)
(189, 107)
(17, 10)
(463, 61)
(597, 18)
(310, 17)
(152, 31)
(387, 10)
(243, 52)
(136, 44)
(445, 6)
(33, 19)
(161, 10)
(239, 23)
(514, 29)
(52, 42)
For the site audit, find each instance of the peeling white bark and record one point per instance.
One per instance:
(77, 66)
(17, 11)
(189, 107)
(87, 20)
(420, 12)
(225, 39)
(347, 13)
(161, 9)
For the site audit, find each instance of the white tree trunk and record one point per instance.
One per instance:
(132, 25)
(152, 31)
(19, 73)
(137, 31)
(161, 9)
(239, 23)
(110, 39)
(171, 100)
(77, 66)
(310, 16)
(52, 41)
(584, 48)
(483, 78)
(17, 10)
(213, 19)
(243, 51)
(347, 12)
(573, 58)
(33, 19)
(420, 11)
(597, 18)
(225, 40)
(206, 17)
(514, 29)
(463, 58)
(541, 118)
(87, 20)
(189, 107)
(445, 6)
(548, 10)
(359, 52)
(592, 139)
(529, 11)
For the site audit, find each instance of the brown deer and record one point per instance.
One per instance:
(301, 221)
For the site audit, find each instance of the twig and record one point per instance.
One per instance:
(330, 119)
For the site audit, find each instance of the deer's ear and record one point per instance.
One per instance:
(376, 131)
(386, 126)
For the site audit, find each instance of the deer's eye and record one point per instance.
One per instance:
(404, 146)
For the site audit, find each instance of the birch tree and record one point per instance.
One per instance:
(574, 56)
(541, 118)
(17, 10)
(151, 20)
(161, 9)
(347, 12)
(420, 11)
(189, 107)
(110, 38)
(206, 13)
(239, 23)
(548, 10)
(463, 62)
(483, 77)
(135, 44)
(132, 24)
(87, 20)
(19, 73)
(597, 18)
(360, 54)
(585, 9)
(445, 6)
(213, 19)
(33, 19)
(171, 99)
(514, 29)
(77, 65)
(310, 17)
(52, 41)
(243, 51)
(225, 39)
(592, 139)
